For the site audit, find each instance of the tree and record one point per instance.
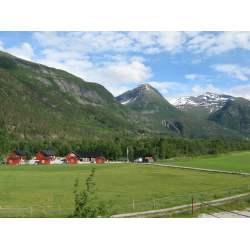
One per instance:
(84, 201)
(27, 157)
(4, 147)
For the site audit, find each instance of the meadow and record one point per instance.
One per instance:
(50, 187)
(235, 162)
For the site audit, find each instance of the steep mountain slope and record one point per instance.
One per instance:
(39, 102)
(147, 100)
(234, 115)
(202, 105)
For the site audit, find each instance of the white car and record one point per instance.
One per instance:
(138, 160)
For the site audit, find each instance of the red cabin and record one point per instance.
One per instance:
(13, 160)
(46, 153)
(100, 160)
(72, 158)
(19, 152)
(44, 160)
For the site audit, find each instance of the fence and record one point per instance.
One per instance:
(178, 200)
(238, 214)
(37, 211)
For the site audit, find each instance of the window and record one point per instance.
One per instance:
(72, 160)
(43, 161)
(10, 161)
(100, 161)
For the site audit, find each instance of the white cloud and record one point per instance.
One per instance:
(146, 42)
(137, 58)
(1, 46)
(152, 50)
(119, 73)
(166, 86)
(210, 43)
(25, 52)
(191, 77)
(232, 70)
(143, 37)
(49, 38)
(197, 89)
(171, 40)
(192, 33)
(209, 88)
(164, 91)
(240, 76)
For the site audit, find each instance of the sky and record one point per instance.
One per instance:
(174, 62)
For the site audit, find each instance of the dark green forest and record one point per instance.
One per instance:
(114, 148)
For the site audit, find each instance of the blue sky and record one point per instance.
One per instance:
(176, 63)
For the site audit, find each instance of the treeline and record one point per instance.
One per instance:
(158, 148)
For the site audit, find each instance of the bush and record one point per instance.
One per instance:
(84, 205)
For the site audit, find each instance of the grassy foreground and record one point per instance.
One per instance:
(47, 187)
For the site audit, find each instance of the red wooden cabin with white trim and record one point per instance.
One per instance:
(100, 160)
(46, 153)
(44, 160)
(13, 160)
(72, 158)
(19, 152)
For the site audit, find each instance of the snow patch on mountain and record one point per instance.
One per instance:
(207, 100)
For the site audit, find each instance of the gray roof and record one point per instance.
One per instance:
(21, 151)
(49, 152)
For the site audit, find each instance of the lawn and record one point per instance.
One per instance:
(52, 185)
(235, 162)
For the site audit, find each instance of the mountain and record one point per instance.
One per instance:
(147, 100)
(234, 115)
(42, 102)
(202, 105)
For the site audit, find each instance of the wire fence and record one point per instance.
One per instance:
(183, 199)
(204, 210)
(37, 211)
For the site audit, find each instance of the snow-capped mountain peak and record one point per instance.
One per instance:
(207, 100)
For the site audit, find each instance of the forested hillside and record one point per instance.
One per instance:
(42, 102)
(147, 100)
(234, 115)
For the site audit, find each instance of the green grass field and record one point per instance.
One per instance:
(236, 162)
(24, 186)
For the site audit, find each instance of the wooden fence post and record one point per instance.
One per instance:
(154, 202)
(173, 199)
